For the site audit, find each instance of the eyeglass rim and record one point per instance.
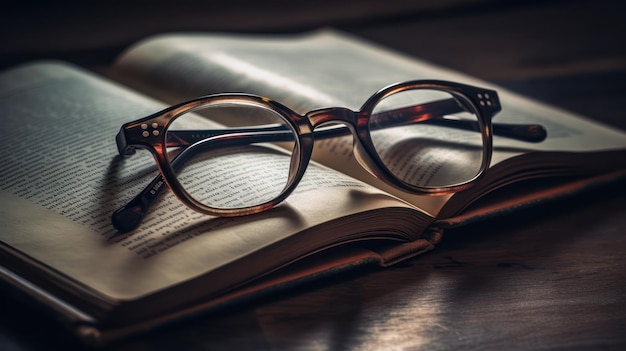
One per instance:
(471, 95)
(303, 146)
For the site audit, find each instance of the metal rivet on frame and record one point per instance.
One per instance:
(484, 99)
(154, 126)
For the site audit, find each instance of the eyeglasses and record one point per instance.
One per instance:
(423, 137)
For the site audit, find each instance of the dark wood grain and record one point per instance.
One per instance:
(551, 277)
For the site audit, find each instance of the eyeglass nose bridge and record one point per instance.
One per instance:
(336, 122)
(350, 120)
(328, 115)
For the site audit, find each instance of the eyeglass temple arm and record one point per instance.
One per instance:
(129, 216)
(434, 112)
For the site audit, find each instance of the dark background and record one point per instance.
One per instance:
(528, 46)
(551, 277)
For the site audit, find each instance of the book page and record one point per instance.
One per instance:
(61, 179)
(329, 68)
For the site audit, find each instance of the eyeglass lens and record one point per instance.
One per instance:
(430, 152)
(229, 169)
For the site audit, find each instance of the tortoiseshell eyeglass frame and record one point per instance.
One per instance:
(151, 132)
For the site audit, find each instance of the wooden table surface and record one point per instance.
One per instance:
(551, 278)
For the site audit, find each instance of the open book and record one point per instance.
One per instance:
(62, 178)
